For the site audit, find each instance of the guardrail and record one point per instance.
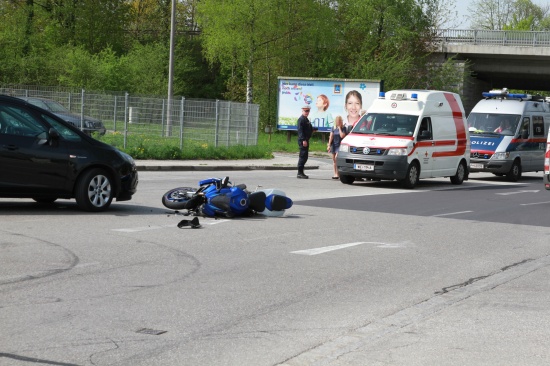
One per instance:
(492, 37)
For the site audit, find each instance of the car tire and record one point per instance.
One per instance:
(458, 178)
(94, 191)
(515, 172)
(346, 179)
(412, 176)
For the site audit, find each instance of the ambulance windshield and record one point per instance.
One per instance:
(386, 124)
(493, 124)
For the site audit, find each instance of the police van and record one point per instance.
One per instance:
(407, 135)
(508, 133)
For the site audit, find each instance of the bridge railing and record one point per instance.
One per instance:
(492, 37)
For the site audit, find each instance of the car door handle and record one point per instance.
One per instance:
(9, 147)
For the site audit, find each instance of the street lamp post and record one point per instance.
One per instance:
(171, 70)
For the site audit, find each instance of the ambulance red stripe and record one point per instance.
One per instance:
(460, 130)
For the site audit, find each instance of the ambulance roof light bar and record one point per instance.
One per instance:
(504, 94)
(399, 96)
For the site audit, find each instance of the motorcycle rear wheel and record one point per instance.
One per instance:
(177, 198)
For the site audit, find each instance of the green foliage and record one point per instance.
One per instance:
(242, 47)
(523, 15)
(146, 147)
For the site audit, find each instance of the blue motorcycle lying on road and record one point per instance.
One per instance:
(219, 197)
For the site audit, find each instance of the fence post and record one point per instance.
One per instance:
(229, 123)
(247, 124)
(162, 120)
(114, 114)
(82, 110)
(217, 123)
(182, 110)
(125, 118)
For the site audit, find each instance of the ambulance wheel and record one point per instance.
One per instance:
(515, 172)
(346, 179)
(458, 178)
(413, 174)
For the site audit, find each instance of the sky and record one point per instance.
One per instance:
(462, 7)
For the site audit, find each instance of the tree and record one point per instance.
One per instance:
(235, 34)
(508, 15)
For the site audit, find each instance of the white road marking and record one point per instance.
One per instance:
(331, 248)
(523, 191)
(452, 213)
(534, 203)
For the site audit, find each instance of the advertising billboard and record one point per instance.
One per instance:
(325, 97)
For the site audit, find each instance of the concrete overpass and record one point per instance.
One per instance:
(498, 59)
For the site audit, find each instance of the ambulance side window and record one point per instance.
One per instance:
(538, 126)
(425, 130)
(525, 131)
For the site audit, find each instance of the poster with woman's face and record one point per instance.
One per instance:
(327, 99)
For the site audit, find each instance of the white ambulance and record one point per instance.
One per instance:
(508, 133)
(407, 135)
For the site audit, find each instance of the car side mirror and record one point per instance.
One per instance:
(52, 136)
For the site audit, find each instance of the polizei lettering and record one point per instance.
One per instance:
(483, 143)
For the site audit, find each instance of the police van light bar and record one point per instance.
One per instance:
(381, 95)
(505, 94)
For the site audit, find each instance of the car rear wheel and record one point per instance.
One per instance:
(94, 191)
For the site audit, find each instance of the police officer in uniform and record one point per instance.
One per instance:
(305, 130)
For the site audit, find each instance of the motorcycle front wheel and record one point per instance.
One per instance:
(177, 198)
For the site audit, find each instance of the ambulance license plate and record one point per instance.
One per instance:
(476, 166)
(363, 167)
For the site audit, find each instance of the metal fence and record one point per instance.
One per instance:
(493, 37)
(211, 122)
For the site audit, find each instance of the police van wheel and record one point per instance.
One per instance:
(515, 172)
(458, 178)
(411, 179)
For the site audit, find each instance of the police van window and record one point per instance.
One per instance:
(538, 126)
(525, 130)
(425, 130)
(63, 130)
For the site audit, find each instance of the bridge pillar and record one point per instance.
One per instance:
(471, 91)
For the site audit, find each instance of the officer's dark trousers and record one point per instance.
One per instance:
(302, 159)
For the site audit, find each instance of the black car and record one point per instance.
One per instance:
(89, 124)
(45, 158)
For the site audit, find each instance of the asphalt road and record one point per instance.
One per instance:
(367, 274)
